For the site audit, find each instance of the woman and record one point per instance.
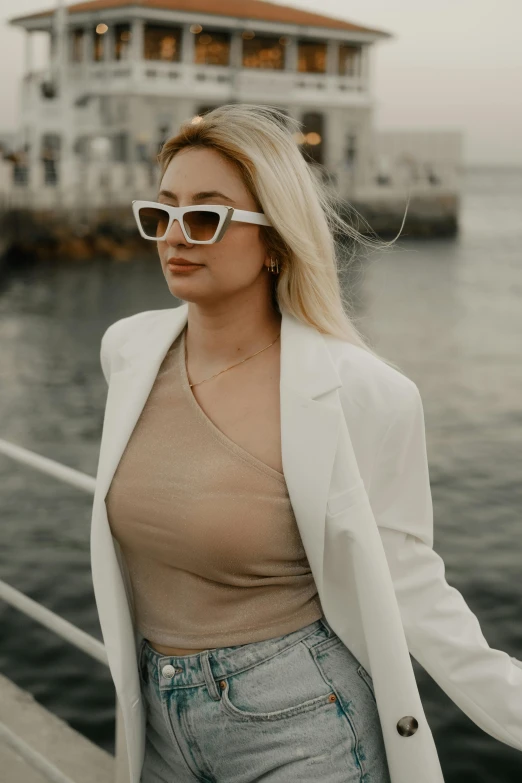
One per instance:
(262, 526)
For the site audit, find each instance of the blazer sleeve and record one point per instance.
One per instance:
(442, 632)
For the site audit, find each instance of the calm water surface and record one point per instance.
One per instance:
(448, 312)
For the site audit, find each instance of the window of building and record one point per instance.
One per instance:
(212, 48)
(162, 43)
(122, 39)
(311, 57)
(350, 150)
(142, 152)
(120, 147)
(313, 132)
(50, 145)
(49, 155)
(349, 60)
(122, 110)
(263, 52)
(77, 41)
(106, 109)
(163, 132)
(81, 147)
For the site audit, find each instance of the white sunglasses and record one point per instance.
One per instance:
(201, 225)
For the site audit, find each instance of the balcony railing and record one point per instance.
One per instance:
(158, 76)
(54, 622)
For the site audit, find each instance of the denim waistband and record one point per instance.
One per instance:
(191, 670)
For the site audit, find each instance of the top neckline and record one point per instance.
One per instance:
(232, 445)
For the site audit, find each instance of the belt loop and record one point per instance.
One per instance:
(327, 626)
(209, 678)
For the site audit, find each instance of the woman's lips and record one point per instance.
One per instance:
(175, 267)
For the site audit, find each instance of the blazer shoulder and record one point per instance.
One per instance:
(120, 331)
(369, 383)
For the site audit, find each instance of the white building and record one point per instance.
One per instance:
(121, 78)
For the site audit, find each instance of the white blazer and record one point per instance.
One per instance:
(354, 459)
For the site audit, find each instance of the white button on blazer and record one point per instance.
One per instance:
(355, 463)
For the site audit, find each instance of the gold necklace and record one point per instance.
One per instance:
(226, 368)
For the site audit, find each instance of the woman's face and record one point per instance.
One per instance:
(230, 267)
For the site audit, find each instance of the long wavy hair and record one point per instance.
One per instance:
(310, 239)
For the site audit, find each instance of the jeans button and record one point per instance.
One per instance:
(168, 671)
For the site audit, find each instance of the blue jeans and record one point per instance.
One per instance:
(298, 708)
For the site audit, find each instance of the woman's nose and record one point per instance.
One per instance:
(175, 235)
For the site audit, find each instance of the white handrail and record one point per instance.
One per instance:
(54, 622)
(35, 759)
(45, 465)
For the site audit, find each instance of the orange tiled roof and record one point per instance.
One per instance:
(243, 9)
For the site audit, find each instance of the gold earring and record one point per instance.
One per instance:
(274, 268)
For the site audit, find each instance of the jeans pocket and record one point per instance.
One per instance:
(358, 711)
(283, 686)
(288, 712)
(346, 676)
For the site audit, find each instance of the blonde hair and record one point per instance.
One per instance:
(260, 141)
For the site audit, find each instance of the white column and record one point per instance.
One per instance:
(67, 165)
(236, 49)
(28, 53)
(85, 50)
(332, 58)
(291, 55)
(136, 54)
(88, 45)
(38, 179)
(33, 162)
(60, 30)
(68, 54)
(187, 46)
(365, 69)
(137, 39)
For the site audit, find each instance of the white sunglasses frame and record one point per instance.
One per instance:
(226, 215)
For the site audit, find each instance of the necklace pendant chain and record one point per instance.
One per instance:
(232, 365)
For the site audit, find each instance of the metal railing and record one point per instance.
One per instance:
(54, 622)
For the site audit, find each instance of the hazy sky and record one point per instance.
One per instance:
(452, 64)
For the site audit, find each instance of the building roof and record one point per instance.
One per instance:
(251, 10)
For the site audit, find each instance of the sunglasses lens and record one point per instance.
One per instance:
(201, 225)
(153, 221)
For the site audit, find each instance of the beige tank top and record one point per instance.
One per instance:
(206, 529)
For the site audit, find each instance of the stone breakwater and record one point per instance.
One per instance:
(49, 235)
(73, 235)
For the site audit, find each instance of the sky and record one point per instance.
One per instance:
(451, 65)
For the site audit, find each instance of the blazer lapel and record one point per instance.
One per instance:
(310, 425)
(138, 362)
